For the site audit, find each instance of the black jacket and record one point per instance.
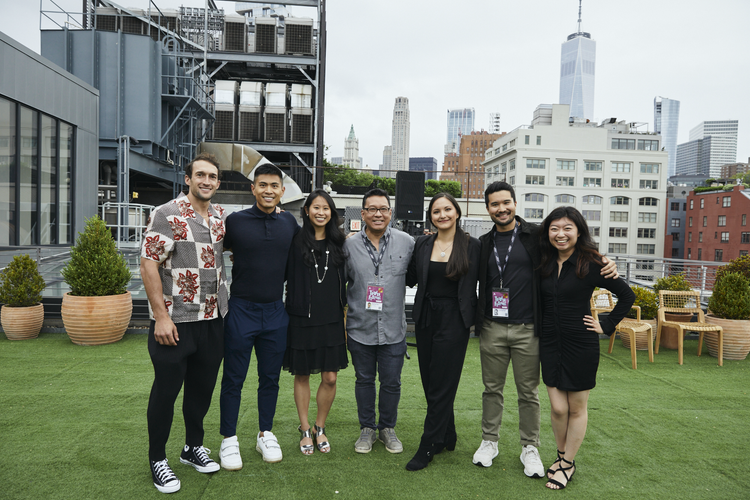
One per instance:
(529, 236)
(298, 285)
(467, 284)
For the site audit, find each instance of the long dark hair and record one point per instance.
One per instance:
(585, 246)
(458, 263)
(334, 236)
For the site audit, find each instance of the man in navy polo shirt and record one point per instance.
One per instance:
(259, 239)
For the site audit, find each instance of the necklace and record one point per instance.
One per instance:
(325, 269)
(442, 250)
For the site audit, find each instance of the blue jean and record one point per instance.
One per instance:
(387, 360)
(249, 325)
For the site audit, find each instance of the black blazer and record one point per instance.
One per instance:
(467, 284)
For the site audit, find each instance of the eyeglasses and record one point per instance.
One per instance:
(373, 210)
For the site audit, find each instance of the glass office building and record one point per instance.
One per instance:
(460, 122)
(577, 70)
(666, 121)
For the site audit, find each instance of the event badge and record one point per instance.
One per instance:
(500, 302)
(374, 298)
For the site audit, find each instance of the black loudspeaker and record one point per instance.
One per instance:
(410, 195)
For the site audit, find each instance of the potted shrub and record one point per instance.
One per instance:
(675, 282)
(729, 307)
(647, 300)
(21, 288)
(98, 307)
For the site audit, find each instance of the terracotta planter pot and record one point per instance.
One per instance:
(736, 337)
(669, 334)
(21, 323)
(641, 339)
(96, 320)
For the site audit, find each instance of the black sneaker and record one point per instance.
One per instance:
(164, 479)
(197, 456)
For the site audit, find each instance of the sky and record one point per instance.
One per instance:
(504, 56)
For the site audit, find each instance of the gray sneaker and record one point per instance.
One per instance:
(389, 439)
(365, 441)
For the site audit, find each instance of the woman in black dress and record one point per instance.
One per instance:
(569, 345)
(315, 298)
(446, 266)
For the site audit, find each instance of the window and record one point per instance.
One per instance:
(717, 200)
(700, 237)
(620, 167)
(726, 201)
(702, 200)
(745, 238)
(718, 255)
(691, 204)
(722, 220)
(725, 237)
(535, 179)
(744, 219)
(690, 237)
(539, 140)
(646, 232)
(623, 143)
(536, 163)
(593, 166)
(646, 145)
(594, 230)
(512, 165)
(619, 200)
(646, 217)
(700, 252)
(534, 197)
(648, 202)
(618, 248)
(566, 164)
(674, 206)
(705, 221)
(675, 253)
(512, 180)
(591, 214)
(743, 252)
(505, 147)
(504, 167)
(526, 139)
(649, 184)
(618, 216)
(689, 253)
(618, 232)
(646, 249)
(565, 181)
(620, 183)
(592, 182)
(592, 200)
(690, 221)
(675, 236)
(675, 222)
(649, 168)
(534, 213)
(565, 198)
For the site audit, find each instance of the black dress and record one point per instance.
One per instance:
(317, 343)
(569, 353)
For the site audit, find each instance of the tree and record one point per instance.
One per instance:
(343, 175)
(433, 187)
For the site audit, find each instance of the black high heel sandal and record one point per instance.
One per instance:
(323, 446)
(567, 478)
(551, 471)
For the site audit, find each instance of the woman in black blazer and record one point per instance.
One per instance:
(446, 267)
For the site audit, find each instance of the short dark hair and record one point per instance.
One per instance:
(208, 157)
(268, 169)
(376, 192)
(495, 187)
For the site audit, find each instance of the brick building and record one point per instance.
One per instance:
(717, 225)
(466, 165)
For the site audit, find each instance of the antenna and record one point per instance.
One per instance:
(579, 16)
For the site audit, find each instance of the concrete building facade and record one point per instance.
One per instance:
(494, 123)
(466, 165)
(717, 147)
(460, 122)
(731, 169)
(399, 154)
(717, 224)
(351, 151)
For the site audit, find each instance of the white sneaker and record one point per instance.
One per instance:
(486, 452)
(229, 454)
(532, 464)
(268, 446)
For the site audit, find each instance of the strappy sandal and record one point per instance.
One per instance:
(306, 449)
(551, 471)
(323, 446)
(567, 478)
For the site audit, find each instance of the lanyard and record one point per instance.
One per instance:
(507, 255)
(369, 246)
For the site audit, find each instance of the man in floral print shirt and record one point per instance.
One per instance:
(182, 268)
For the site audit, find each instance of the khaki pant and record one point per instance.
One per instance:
(499, 344)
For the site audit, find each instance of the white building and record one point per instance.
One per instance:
(615, 176)
(494, 123)
(721, 149)
(351, 151)
(577, 72)
(399, 159)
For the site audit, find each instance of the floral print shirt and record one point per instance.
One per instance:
(190, 254)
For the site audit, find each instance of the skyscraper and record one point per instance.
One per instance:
(718, 146)
(399, 154)
(666, 121)
(494, 123)
(460, 122)
(577, 69)
(351, 151)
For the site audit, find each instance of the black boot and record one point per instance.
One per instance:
(423, 457)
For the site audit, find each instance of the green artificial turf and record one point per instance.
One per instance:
(73, 425)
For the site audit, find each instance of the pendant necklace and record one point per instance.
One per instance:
(325, 269)
(442, 250)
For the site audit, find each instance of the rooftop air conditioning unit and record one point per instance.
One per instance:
(265, 35)
(251, 94)
(106, 19)
(226, 110)
(235, 34)
(298, 36)
(168, 20)
(275, 116)
(302, 114)
(133, 25)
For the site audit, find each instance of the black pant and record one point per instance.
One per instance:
(441, 345)
(195, 360)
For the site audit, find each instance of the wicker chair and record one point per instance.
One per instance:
(601, 301)
(686, 302)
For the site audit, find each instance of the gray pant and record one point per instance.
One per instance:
(500, 343)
